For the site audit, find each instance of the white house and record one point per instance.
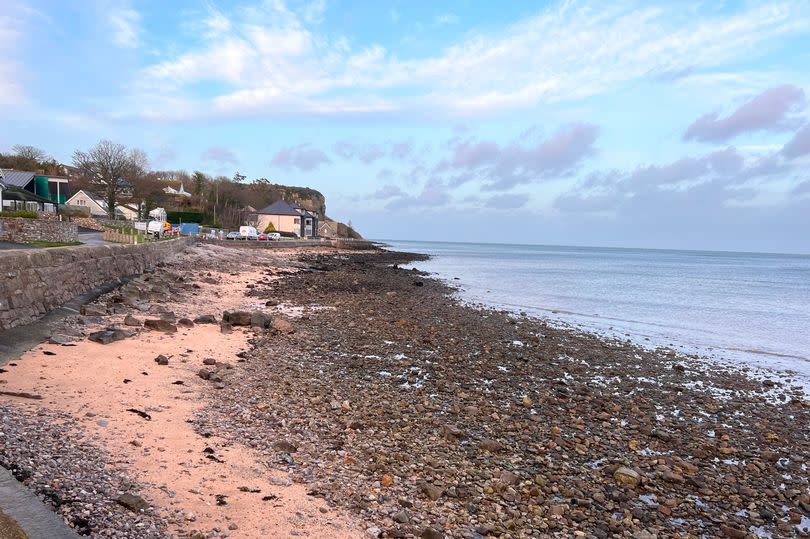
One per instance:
(94, 204)
(169, 190)
(97, 206)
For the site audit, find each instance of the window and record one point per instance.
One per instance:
(297, 221)
(82, 202)
(309, 222)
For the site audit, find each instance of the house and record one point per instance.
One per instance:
(286, 217)
(97, 206)
(169, 190)
(53, 188)
(328, 229)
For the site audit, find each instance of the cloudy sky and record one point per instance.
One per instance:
(673, 125)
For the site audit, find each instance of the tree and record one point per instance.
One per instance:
(30, 153)
(198, 179)
(110, 168)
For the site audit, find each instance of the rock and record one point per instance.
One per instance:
(225, 327)
(206, 319)
(402, 517)
(131, 321)
(261, 320)
(430, 533)
(107, 336)
(209, 361)
(205, 374)
(672, 477)
(345, 406)
(509, 478)
(283, 326)
(159, 325)
(132, 502)
(431, 491)
(734, 533)
(93, 310)
(61, 339)
(162, 360)
(493, 446)
(237, 318)
(374, 532)
(387, 480)
(285, 447)
(185, 322)
(627, 476)
(219, 385)
(644, 534)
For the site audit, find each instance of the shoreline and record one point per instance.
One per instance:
(405, 413)
(761, 363)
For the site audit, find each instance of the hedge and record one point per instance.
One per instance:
(184, 217)
(26, 214)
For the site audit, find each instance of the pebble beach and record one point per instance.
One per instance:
(336, 394)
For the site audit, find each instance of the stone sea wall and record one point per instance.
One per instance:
(21, 230)
(34, 281)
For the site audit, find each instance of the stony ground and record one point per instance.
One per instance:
(431, 419)
(72, 475)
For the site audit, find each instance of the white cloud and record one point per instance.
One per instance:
(446, 19)
(270, 60)
(125, 27)
(14, 18)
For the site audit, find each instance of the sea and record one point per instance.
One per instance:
(751, 309)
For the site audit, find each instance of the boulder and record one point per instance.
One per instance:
(285, 447)
(132, 502)
(206, 319)
(259, 319)
(93, 310)
(131, 321)
(185, 322)
(162, 360)
(159, 325)
(109, 335)
(237, 318)
(283, 326)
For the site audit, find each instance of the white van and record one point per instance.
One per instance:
(248, 233)
(156, 228)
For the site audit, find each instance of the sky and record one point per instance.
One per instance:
(629, 123)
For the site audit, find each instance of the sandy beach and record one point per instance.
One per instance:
(368, 402)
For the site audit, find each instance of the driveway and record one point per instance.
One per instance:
(92, 238)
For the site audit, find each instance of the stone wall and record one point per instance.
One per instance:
(18, 229)
(34, 281)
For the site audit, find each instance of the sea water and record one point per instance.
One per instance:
(750, 308)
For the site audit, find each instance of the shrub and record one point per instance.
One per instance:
(25, 214)
(184, 217)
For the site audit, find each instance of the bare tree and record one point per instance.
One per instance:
(110, 168)
(29, 152)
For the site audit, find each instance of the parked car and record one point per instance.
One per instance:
(273, 236)
(233, 235)
(263, 237)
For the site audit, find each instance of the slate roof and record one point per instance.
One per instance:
(17, 178)
(279, 207)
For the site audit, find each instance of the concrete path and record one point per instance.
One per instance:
(24, 511)
(92, 238)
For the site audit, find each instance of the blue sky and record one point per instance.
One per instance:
(672, 124)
